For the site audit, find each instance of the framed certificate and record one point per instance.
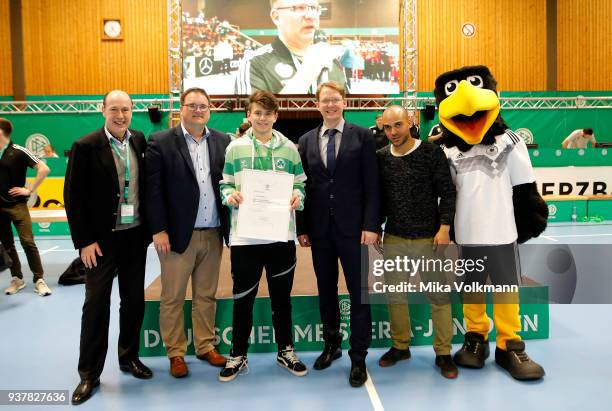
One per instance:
(265, 211)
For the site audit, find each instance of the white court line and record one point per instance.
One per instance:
(49, 250)
(548, 238)
(374, 398)
(580, 235)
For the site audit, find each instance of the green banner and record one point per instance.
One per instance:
(61, 130)
(546, 127)
(588, 157)
(308, 330)
(563, 211)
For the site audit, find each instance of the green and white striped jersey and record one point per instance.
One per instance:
(279, 154)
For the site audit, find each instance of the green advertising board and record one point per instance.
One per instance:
(567, 210)
(601, 209)
(308, 330)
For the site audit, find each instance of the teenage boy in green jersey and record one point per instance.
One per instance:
(262, 148)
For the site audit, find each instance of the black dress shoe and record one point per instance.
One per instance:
(474, 352)
(84, 390)
(358, 375)
(329, 354)
(392, 356)
(515, 360)
(137, 368)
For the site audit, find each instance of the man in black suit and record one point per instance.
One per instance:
(188, 222)
(105, 205)
(341, 214)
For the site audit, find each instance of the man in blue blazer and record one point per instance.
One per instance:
(341, 214)
(188, 222)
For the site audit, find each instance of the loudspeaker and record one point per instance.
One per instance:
(430, 112)
(154, 113)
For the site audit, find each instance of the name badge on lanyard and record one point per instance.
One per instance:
(126, 210)
(127, 213)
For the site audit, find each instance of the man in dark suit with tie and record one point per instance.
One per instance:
(341, 214)
(188, 222)
(105, 205)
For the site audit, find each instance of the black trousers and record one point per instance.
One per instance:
(248, 261)
(124, 255)
(325, 254)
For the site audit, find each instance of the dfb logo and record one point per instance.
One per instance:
(525, 134)
(345, 308)
(36, 143)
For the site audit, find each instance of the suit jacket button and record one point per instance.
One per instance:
(118, 195)
(331, 181)
(331, 196)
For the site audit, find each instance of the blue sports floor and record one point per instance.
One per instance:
(39, 341)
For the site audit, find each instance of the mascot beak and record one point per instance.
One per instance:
(469, 112)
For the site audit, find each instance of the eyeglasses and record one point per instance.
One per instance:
(333, 101)
(194, 107)
(303, 9)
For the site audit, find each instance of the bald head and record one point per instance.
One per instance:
(397, 111)
(396, 123)
(117, 112)
(114, 94)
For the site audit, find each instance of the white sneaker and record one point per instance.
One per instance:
(16, 285)
(41, 288)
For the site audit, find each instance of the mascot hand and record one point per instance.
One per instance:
(530, 211)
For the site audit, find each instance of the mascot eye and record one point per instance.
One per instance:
(450, 87)
(475, 81)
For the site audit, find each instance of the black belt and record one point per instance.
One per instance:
(204, 228)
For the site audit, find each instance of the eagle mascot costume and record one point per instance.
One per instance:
(498, 206)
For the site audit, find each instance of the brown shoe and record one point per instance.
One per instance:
(213, 357)
(178, 368)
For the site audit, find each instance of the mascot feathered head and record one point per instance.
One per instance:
(468, 107)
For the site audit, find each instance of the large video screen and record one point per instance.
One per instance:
(291, 46)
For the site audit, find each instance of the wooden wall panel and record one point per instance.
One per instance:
(510, 39)
(64, 52)
(6, 71)
(584, 56)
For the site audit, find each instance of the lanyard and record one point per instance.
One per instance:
(126, 161)
(255, 147)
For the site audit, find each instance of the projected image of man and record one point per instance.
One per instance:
(297, 60)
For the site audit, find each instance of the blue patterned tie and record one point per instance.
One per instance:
(331, 150)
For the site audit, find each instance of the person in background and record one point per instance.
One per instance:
(435, 135)
(241, 131)
(379, 133)
(14, 161)
(49, 152)
(579, 139)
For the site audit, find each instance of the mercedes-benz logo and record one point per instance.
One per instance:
(206, 66)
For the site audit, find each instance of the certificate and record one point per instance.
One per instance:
(265, 211)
